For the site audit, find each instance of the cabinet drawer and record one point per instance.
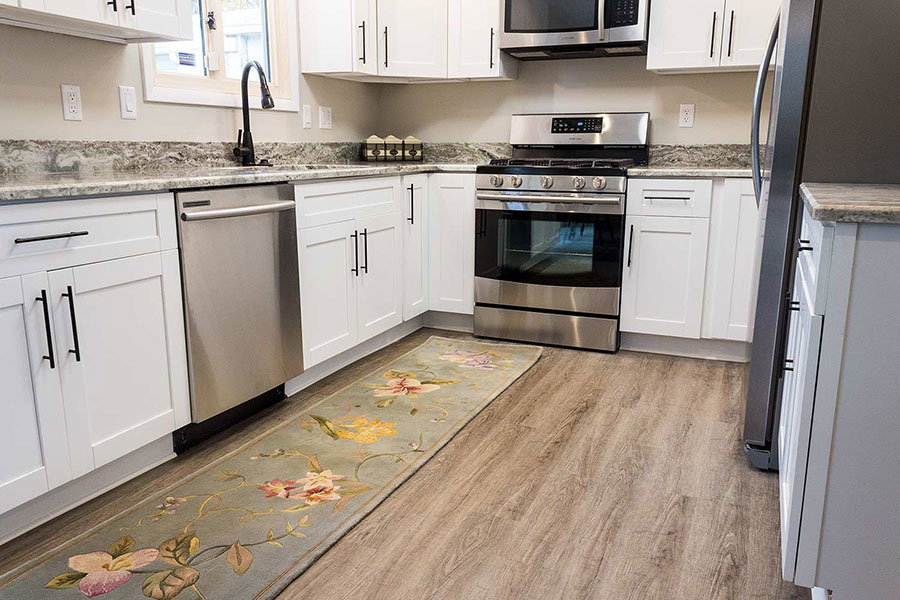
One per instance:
(669, 197)
(53, 235)
(337, 201)
(816, 244)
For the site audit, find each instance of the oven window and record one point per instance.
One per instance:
(561, 249)
(550, 16)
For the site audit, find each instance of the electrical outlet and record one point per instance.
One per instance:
(325, 115)
(307, 116)
(686, 115)
(71, 100)
(128, 102)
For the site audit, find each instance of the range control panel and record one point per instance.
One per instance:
(577, 125)
(622, 13)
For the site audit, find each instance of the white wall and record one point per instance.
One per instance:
(33, 64)
(481, 111)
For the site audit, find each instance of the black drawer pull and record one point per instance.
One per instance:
(114, 5)
(131, 7)
(55, 236)
(49, 356)
(71, 296)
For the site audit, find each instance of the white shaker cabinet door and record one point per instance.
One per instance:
(329, 260)
(748, 24)
(165, 18)
(412, 38)
(451, 222)
(474, 51)
(94, 11)
(664, 275)
(32, 430)
(120, 340)
(415, 246)
(380, 299)
(685, 34)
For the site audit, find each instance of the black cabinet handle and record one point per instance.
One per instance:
(630, 245)
(363, 27)
(355, 237)
(789, 365)
(492, 48)
(412, 205)
(731, 35)
(385, 47)
(795, 306)
(712, 42)
(131, 7)
(114, 4)
(365, 236)
(71, 296)
(55, 236)
(806, 249)
(49, 356)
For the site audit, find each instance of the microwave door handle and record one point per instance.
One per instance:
(601, 18)
(758, 97)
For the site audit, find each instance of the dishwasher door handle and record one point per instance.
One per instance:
(244, 211)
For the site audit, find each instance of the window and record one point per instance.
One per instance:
(227, 34)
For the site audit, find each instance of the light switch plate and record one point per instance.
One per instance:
(71, 101)
(325, 121)
(128, 102)
(307, 116)
(686, 115)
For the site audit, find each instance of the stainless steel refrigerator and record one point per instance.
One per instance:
(834, 117)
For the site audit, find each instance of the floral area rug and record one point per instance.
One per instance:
(248, 525)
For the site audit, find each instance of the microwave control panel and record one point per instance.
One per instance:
(622, 13)
(577, 125)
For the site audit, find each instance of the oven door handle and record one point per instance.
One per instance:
(615, 200)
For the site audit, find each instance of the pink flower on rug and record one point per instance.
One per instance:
(279, 488)
(319, 494)
(404, 386)
(471, 360)
(103, 573)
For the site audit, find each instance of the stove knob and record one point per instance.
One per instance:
(546, 182)
(516, 181)
(578, 183)
(496, 181)
(599, 183)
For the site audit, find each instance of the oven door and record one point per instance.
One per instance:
(561, 255)
(536, 23)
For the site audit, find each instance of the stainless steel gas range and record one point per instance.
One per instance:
(550, 228)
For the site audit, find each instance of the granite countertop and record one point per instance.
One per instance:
(852, 203)
(38, 186)
(48, 185)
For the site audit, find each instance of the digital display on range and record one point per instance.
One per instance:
(577, 125)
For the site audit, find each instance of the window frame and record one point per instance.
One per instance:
(205, 91)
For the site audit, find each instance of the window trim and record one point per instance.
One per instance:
(164, 88)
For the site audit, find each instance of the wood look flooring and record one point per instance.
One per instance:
(609, 477)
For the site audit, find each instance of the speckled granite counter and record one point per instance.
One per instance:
(689, 171)
(852, 203)
(44, 186)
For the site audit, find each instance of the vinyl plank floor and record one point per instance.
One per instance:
(593, 477)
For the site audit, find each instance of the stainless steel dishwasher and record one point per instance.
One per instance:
(241, 293)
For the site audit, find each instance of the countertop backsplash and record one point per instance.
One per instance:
(18, 157)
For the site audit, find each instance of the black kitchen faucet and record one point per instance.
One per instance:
(244, 147)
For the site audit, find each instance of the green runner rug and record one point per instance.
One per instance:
(249, 524)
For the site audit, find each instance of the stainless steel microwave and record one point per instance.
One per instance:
(545, 29)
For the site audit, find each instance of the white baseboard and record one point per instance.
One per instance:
(738, 352)
(57, 501)
(450, 321)
(348, 357)
(820, 594)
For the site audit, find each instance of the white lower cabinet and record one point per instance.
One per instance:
(351, 270)
(664, 275)
(92, 348)
(115, 324)
(452, 243)
(33, 429)
(415, 245)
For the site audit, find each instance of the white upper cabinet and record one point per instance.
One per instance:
(339, 37)
(697, 35)
(474, 33)
(113, 20)
(413, 38)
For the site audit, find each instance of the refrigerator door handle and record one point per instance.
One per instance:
(758, 97)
